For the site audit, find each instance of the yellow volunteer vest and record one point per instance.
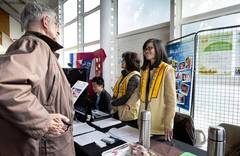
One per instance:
(121, 86)
(124, 112)
(154, 84)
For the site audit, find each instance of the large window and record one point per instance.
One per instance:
(70, 10)
(138, 14)
(200, 15)
(91, 48)
(80, 27)
(223, 21)
(70, 35)
(92, 27)
(90, 4)
(194, 7)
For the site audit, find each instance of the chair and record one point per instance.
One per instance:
(232, 147)
(183, 129)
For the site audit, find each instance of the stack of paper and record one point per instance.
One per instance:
(80, 128)
(98, 113)
(106, 122)
(91, 137)
(126, 133)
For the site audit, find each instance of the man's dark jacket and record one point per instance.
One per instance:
(104, 101)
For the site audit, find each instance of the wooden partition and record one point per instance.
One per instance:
(4, 23)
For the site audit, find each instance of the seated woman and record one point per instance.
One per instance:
(101, 98)
(123, 107)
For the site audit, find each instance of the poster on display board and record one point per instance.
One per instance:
(215, 53)
(180, 55)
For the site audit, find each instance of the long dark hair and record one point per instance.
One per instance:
(160, 55)
(132, 61)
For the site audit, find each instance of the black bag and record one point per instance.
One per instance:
(184, 129)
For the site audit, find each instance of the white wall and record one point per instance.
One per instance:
(15, 29)
(135, 40)
(132, 41)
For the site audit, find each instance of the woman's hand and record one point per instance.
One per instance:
(168, 134)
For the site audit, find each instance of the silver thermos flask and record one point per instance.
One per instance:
(216, 141)
(145, 129)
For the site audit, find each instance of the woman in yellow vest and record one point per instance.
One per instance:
(157, 88)
(123, 107)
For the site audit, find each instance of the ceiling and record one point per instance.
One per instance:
(15, 7)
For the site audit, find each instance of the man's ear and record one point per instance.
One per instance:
(45, 22)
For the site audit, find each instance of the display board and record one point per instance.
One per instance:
(181, 57)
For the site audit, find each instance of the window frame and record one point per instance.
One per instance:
(178, 21)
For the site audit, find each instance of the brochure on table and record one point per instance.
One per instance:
(81, 128)
(90, 137)
(126, 133)
(106, 122)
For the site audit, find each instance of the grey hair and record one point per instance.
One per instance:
(32, 11)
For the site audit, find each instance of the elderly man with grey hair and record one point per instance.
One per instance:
(36, 109)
